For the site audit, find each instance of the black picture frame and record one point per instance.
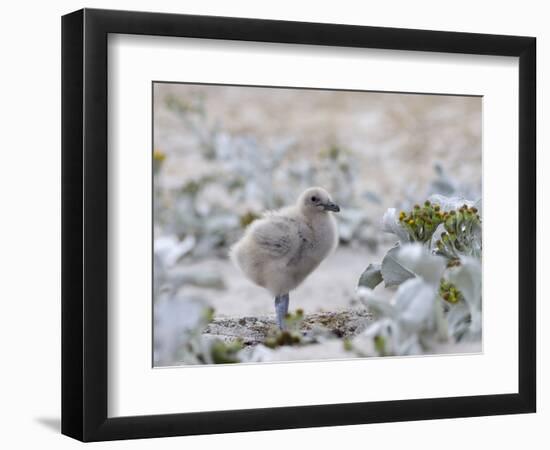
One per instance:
(84, 224)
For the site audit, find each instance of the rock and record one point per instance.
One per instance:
(254, 330)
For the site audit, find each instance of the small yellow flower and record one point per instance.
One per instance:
(159, 155)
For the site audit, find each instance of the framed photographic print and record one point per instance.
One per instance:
(266, 224)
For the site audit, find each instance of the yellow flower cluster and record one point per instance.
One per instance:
(421, 222)
(449, 292)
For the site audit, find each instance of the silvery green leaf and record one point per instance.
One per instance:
(474, 331)
(372, 276)
(403, 262)
(385, 328)
(378, 305)
(467, 279)
(458, 318)
(369, 236)
(409, 346)
(169, 249)
(345, 232)
(177, 321)
(443, 184)
(363, 346)
(350, 220)
(373, 197)
(439, 170)
(258, 353)
(446, 185)
(390, 224)
(189, 314)
(221, 223)
(457, 313)
(418, 260)
(466, 317)
(393, 272)
(441, 323)
(414, 303)
(207, 243)
(200, 278)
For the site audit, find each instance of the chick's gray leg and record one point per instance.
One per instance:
(281, 309)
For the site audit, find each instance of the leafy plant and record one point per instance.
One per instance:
(447, 227)
(291, 334)
(179, 320)
(461, 235)
(437, 270)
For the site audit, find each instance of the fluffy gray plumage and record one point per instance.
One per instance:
(282, 248)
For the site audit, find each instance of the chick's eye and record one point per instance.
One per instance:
(313, 199)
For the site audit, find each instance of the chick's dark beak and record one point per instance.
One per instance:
(330, 206)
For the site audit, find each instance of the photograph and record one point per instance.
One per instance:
(300, 224)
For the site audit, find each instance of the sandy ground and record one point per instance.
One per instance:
(329, 288)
